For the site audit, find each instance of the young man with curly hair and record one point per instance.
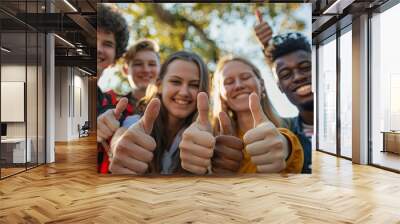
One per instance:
(289, 56)
(112, 40)
(112, 37)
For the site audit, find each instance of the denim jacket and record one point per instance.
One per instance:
(294, 124)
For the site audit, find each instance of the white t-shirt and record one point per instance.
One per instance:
(308, 130)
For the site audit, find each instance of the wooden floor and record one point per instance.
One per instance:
(70, 191)
(10, 171)
(387, 159)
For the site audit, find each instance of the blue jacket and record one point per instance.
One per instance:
(294, 124)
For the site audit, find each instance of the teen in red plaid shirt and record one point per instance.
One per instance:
(143, 67)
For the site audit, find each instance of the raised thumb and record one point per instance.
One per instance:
(225, 124)
(258, 16)
(150, 115)
(256, 109)
(120, 107)
(202, 108)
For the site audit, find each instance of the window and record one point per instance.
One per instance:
(327, 96)
(22, 74)
(346, 94)
(385, 87)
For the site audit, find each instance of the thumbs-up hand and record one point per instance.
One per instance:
(197, 143)
(108, 122)
(265, 145)
(228, 154)
(263, 30)
(133, 151)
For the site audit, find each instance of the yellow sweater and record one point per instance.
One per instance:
(294, 163)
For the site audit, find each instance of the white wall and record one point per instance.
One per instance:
(81, 83)
(61, 103)
(34, 124)
(71, 94)
(13, 73)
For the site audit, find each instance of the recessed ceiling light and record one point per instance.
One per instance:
(5, 49)
(64, 40)
(70, 5)
(84, 71)
(337, 7)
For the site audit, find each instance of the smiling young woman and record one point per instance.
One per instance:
(150, 143)
(239, 92)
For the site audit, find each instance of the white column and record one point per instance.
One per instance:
(314, 90)
(50, 94)
(360, 90)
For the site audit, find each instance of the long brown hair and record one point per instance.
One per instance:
(159, 132)
(219, 104)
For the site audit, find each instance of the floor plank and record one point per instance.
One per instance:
(70, 191)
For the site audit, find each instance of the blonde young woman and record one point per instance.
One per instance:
(168, 137)
(249, 139)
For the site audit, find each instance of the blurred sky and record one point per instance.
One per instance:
(246, 45)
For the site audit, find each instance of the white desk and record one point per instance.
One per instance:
(18, 149)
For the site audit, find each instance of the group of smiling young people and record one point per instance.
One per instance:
(178, 120)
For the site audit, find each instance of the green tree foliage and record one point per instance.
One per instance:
(187, 26)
